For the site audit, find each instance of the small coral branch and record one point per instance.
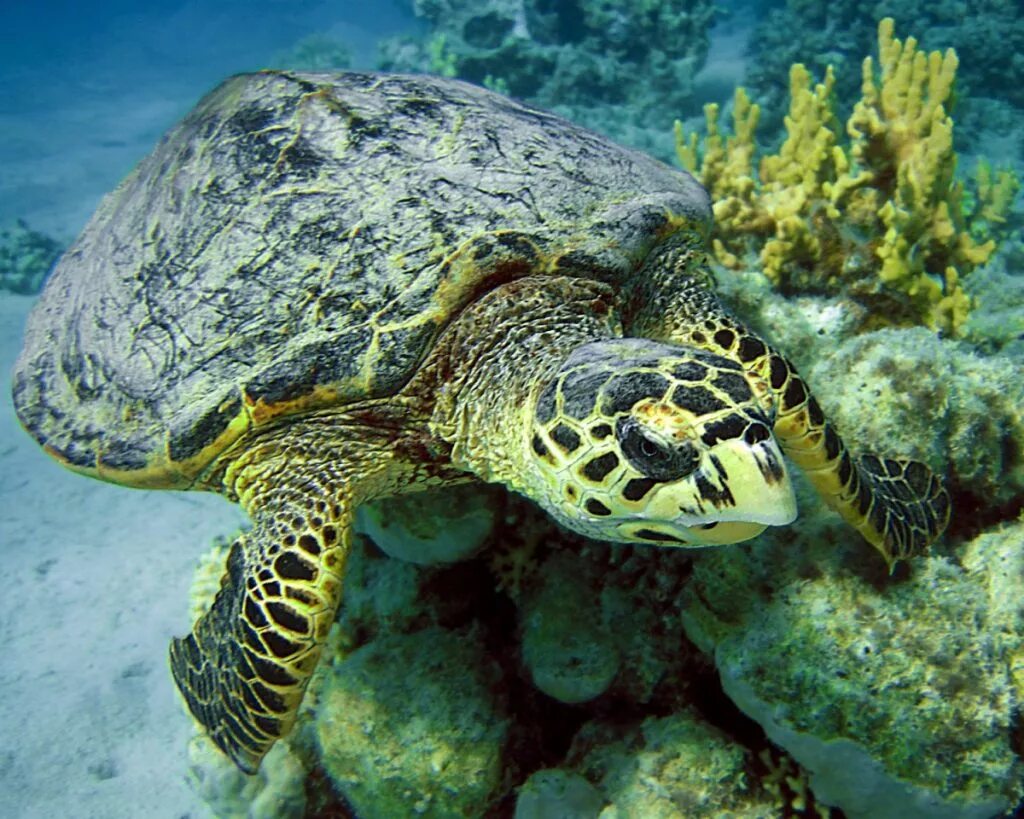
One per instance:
(878, 215)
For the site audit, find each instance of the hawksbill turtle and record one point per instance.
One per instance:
(321, 289)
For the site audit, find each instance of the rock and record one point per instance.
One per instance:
(897, 697)
(412, 725)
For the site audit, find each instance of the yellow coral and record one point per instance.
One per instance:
(881, 217)
(727, 169)
(995, 194)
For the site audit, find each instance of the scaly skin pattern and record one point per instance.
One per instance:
(898, 505)
(634, 435)
(619, 439)
(244, 668)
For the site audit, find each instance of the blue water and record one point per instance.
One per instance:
(88, 88)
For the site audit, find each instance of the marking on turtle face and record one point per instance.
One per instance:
(597, 469)
(725, 338)
(733, 385)
(546, 409)
(751, 349)
(689, 371)
(725, 429)
(636, 488)
(769, 465)
(756, 432)
(566, 438)
(698, 400)
(657, 537)
(718, 497)
(626, 390)
(579, 392)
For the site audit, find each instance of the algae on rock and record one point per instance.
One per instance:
(934, 400)
(668, 767)
(897, 698)
(413, 725)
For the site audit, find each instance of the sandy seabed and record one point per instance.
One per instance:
(95, 584)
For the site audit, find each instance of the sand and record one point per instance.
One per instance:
(96, 581)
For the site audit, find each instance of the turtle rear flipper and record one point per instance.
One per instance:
(244, 668)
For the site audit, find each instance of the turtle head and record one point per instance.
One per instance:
(643, 442)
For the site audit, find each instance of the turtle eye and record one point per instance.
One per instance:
(652, 457)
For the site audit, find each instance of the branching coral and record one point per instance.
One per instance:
(882, 216)
(988, 36)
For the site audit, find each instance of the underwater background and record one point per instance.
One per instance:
(485, 662)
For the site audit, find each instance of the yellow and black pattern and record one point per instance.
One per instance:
(244, 668)
(629, 435)
(898, 505)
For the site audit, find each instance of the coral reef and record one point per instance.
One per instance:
(899, 699)
(668, 767)
(881, 218)
(26, 258)
(997, 322)
(954, 404)
(316, 52)
(614, 66)
(933, 400)
(988, 36)
(429, 697)
(557, 794)
(420, 529)
(569, 649)
(278, 791)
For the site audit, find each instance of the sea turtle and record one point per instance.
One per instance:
(321, 289)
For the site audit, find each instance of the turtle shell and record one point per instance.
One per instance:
(297, 242)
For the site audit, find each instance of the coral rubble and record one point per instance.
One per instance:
(26, 258)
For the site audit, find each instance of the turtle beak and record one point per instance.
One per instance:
(739, 482)
(738, 491)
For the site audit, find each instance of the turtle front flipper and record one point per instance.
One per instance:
(899, 506)
(244, 668)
